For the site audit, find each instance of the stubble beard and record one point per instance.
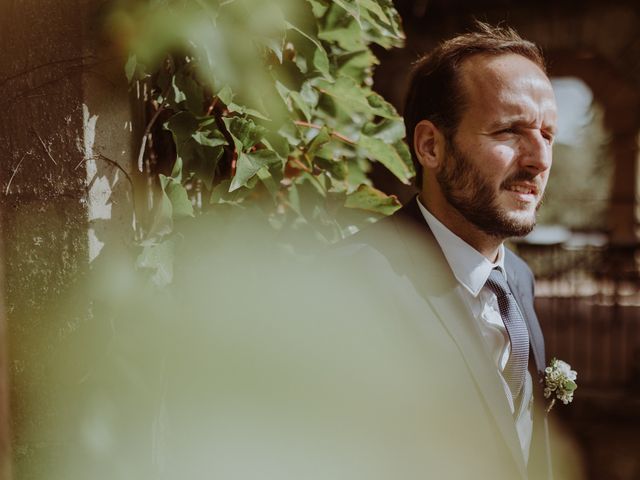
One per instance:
(464, 187)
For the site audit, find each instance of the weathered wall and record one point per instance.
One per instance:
(65, 124)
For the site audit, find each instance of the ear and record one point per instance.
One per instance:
(428, 143)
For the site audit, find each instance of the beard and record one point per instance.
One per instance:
(471, 194)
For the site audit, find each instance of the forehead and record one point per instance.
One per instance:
(506, 84)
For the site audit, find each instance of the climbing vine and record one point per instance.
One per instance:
(262, 104)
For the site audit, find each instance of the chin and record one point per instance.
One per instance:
(520, 223)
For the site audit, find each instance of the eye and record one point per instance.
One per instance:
(507, 131)
(548, 136)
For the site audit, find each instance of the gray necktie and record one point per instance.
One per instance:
(514, 370)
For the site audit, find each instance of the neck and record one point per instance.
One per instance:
(487, 245)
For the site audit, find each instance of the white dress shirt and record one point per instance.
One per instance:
(472, 270)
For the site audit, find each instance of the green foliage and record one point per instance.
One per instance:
(271, 106)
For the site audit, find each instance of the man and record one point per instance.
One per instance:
(481, 118)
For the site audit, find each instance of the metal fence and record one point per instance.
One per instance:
(588, 303)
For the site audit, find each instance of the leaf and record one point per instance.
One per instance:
(357, 65)
(570, 385)
(372, 200)
(349, 38)
(233, 107)
(337, 168)
(388, 130)
(158, 257)
(302, 105)
(291, 98)
(199, 146)
(321, 61)
(386, 154)
(318, 141)
(320, 57)
(353, 10)
(267, 180)
(248, 165)
(376, 9)
(244, 131)
(319, 8)
(405, 154)
(162, 223)
(187, 90)
(130, 67)
(349, 95)
(208, 138)
(225, 95)
(309, 94)
(180, 204)
(276, 46)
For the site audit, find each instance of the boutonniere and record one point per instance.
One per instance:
(559, 382)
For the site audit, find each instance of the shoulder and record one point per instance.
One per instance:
(519, 269)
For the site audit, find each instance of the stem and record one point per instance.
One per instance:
(333, 133)
(147, 132)
(553, 402)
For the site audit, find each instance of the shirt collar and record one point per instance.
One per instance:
(469, 266)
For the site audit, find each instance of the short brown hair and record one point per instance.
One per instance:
(435, 91)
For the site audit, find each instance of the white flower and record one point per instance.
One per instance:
(559, 382)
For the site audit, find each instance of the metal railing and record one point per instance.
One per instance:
(588, 304)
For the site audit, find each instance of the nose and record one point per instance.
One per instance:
(536, 153)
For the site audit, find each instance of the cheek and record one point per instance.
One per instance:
(503, 154)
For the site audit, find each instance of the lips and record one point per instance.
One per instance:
(524, 188)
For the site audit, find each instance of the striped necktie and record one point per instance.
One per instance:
(514, 370)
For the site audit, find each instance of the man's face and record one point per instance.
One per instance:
(497, 164)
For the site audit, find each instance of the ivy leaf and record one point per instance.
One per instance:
(233, 107)
(376, 9)
(372, 200)
(319, 8)
(388, 130)
(338, 169)
(209, 138)
(349, 95)
(248, 165)
(225, 95)
(386, 154)
(199, 145)
(177, 195)
(357, 65)
(301, 104)
(158, 257)
(276, 46)
(244, 131)
(130, 67)
(320, 57)
(403, 150)
(162, 223)
(186, 89)
(353, 10)
(318, 141)
(348, 38)
(309, 94)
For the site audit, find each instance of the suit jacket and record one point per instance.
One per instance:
(402, 258)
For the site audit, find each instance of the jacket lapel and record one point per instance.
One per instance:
(433, 279)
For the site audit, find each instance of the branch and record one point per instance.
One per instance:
(333, 133)
(147, 131)
(124, 172)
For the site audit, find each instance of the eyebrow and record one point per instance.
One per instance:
(519, 121)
